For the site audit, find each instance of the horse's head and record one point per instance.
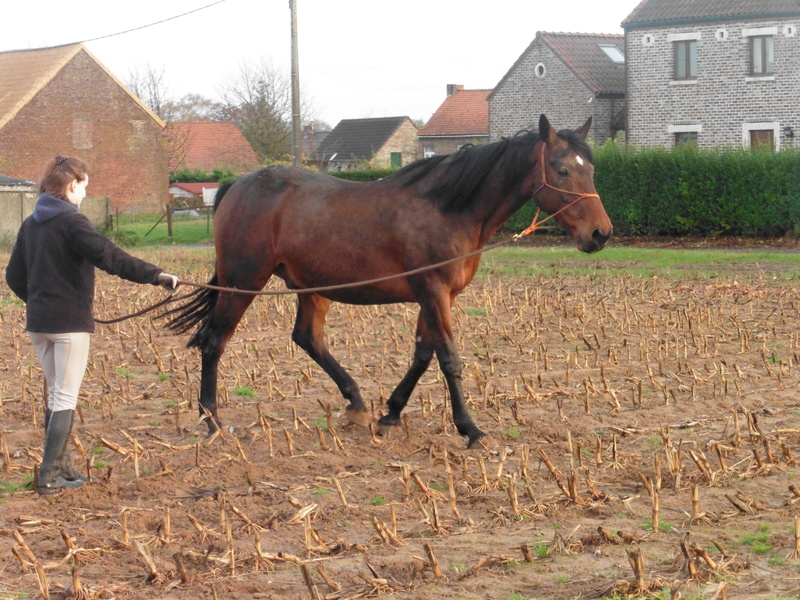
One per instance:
(564, 185)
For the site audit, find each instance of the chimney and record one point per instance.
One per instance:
(452, 88)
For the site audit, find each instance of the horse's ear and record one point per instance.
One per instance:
(583, 131)
(546, 132)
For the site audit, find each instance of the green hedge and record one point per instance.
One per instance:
(687, 191)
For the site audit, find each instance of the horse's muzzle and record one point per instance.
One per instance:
(597, 241)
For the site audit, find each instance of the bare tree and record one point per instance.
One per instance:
(259, 100)
(150, 85)
(195, 107)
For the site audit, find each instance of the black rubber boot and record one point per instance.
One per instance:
(51, 479)
(67, 471)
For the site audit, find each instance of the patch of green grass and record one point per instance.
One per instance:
(9, 487)
(101, 464)
(513, 432)
(98, 450)
(155, 423)
(321, 423)
(124, 372)
(163, 377)
(759, 548)
(320, 491)
(541, 549)
(378, 501)
(629, 261)
(563, 579)
(476, 311)
(244, 391)
(663, 527)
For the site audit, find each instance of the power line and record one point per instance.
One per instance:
(102, 37)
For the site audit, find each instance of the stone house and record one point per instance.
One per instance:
(463, 118)
(568, 77)
(62, 100)
(358, 143)
(715, 73)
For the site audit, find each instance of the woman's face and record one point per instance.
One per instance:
(76, 191)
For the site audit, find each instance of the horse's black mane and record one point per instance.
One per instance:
(465, 171)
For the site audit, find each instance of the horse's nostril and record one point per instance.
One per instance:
(599, 236)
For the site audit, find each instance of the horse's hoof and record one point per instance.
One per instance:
(482, 442)
(358, 417)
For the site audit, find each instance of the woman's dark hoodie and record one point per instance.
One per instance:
(52, 267)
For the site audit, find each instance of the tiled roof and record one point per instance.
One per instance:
(464, 113)
(581, 52)
(209, 145)
(670, 12)
(24, 73)
(358, 139)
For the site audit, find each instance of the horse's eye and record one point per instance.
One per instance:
(563, 172)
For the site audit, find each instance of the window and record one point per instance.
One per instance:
(428, 151)
(396, 160)
(761, 57)
(686, 59)
(540, 70)
(686, 137)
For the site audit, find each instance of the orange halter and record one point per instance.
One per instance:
(536, 224)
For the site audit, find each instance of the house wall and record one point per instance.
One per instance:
(723, 99)
(84, 113)
(404, 140)
(448, 145)
(518, 101)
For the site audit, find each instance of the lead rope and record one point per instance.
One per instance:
(535, 224)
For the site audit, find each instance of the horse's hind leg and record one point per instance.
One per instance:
(423, 353)
(308, 334)
(215, 334)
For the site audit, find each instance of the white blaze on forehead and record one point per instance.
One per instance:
(579, 160)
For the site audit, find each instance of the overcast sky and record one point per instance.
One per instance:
(358, 58)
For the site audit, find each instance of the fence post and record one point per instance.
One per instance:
(169, 220)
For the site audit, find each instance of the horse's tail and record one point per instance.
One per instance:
(221, 191)
(196, 310)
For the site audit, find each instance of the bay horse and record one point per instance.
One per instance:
(312, 229)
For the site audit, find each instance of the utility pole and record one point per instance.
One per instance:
(297, 149)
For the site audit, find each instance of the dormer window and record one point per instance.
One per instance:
(614, 53)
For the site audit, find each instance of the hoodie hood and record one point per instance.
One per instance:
(48, 206)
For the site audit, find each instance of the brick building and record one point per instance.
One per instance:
(568, 77)
(357, 143)
(463, 118)
(62, 100)
(715, 73)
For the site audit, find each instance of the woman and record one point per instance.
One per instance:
(52, 270)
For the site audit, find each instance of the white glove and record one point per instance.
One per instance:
(168, 282)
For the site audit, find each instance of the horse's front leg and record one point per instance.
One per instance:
(436, 312)
(423, 353)
(308, 333)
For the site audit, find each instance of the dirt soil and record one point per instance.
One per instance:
(644, 433)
